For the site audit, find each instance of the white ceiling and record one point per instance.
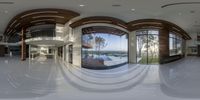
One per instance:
(179, 15)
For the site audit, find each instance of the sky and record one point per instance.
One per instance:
(114, 42)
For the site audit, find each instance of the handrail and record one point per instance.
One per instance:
(33, 39)
(44, 38)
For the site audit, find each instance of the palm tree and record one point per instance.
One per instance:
(100, 43)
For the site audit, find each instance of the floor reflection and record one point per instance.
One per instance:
(27, 79)
(113, 80)
(46, 79)
(181, 78)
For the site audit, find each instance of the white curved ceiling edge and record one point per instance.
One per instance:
(180, 14)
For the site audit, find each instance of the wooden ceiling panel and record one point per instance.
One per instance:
(133, 25)
(148, 23)
(52, 16)
(100, 19)
(38, 17)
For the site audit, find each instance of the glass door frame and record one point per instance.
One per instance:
(147, 37)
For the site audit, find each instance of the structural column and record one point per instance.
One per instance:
(163, 44)
(23, 46)
(132, 48)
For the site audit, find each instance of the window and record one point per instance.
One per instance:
(147, 46)
(175, 44)
(104, 50)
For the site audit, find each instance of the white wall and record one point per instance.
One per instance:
(193, 41)
(60, 30)
(77, 45)
(68, 39)
(71, 36)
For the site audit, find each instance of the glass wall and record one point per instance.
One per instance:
(147, 46)
(42, 33)
(175, 44)
(41, 53)
(104, 50)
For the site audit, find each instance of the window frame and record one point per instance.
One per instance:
(175, 44)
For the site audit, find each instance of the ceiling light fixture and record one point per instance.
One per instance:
(41, 23)
(192, 11)
(6, 2)
(116, 5)
(40, 12)
(42, 20)
(17, 25)
(5, 11)
(132, 9)
(81, 5)
(47, 16)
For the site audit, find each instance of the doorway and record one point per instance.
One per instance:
(70, 54)
(41, 53)
(147, 46)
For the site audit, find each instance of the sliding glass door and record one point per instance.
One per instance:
(147, 46)
(141, 48)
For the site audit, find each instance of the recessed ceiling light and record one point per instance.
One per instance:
(132, 9)
(192, 11)
(116, 5)
(81, 5)
(6, 11)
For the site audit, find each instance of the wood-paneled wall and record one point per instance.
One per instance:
(23, 46)
(163, 44)
(2, 50)
(164, 52)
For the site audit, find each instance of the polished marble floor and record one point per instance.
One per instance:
(55, 80)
